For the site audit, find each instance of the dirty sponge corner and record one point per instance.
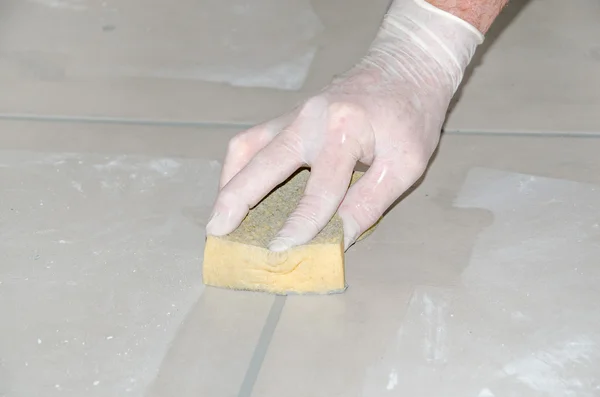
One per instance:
(242, 261)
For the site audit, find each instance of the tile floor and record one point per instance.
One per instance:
(144, 60)
(482, 282)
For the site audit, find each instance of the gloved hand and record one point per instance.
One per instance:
(386, 112)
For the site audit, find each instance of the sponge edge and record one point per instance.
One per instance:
(242, 261)
(309, 269)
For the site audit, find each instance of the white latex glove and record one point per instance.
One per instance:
(386, 112)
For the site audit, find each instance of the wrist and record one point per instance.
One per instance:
(479, 13)
(424, 43)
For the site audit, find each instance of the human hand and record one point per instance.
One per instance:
(386, 112)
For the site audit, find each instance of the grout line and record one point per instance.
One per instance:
(260, 351)
(531, 134)
(122, 121)
(245, 126)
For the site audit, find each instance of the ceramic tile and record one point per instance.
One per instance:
(100, 269)
(481, 282)
(536, 72)
(116, 139)
(208, 62)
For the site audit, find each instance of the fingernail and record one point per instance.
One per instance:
(210, 226)
(351, 231)
(277, 259)
(349, 241)
(280, 244)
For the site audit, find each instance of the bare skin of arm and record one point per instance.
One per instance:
(479, 13)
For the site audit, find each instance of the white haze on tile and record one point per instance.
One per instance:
(420, 348)
(76, 5)
(104, 272)
(287, 75)
(434, 315)
(264, 43)
(260, 43)
(525, 319)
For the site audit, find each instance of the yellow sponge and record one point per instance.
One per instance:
(241, 260)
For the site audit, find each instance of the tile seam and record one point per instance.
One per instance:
(242, 126)
(262, 346)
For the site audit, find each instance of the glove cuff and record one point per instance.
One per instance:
(431, 8)
(425, 42)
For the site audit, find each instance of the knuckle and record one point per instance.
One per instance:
(237, 144)
(407, 161)
(366, 213)
(290, 143)
(346, 109)
(370, 218)
(304, 220)
(307, 213)
(416, 161)
(342, 114)
(252, 138)
(346, 125)
(228, 198)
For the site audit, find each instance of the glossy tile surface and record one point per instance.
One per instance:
(220, 62)
(148, 60)
(536, 72)
(508, 306)
(100, 273)
(481, 282)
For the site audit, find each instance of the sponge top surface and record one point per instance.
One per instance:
(264, 221)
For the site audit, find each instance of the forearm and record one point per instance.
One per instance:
(479, 13)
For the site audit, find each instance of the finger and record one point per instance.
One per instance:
(269, 167)
(373, 194)
(329, 178)
(325, 189)
(245, 145)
